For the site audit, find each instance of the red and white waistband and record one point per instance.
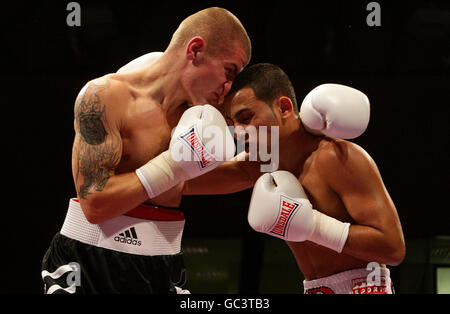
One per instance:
(146, 230)
(355, 281)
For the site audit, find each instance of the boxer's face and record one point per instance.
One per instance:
(211, 76)
(243, 110)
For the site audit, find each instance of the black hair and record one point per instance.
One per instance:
(267, 81)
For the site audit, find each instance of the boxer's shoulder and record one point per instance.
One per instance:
(338, 150)
(341, 159)
(106, 86)
(106, 93)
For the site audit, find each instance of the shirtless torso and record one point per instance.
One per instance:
(119, 128)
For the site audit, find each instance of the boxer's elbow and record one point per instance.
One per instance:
(395, 254)
(93, 210)
(400, 255)
(93, 217)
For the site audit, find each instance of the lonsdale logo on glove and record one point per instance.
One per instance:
(287, 209)
(194, 143)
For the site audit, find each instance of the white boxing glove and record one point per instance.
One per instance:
(336, 111)
(200, 142)
(279, 207)
(181, 291)
(140, 62)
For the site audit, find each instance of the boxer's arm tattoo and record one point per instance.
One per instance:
(96, 164)
(99, 150)
(90, 121)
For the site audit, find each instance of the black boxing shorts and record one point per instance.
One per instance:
(136, 253)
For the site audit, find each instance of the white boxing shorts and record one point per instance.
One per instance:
(355, 281)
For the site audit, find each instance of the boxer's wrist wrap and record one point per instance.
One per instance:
(329, 232)
(160, 174)
(145, 180)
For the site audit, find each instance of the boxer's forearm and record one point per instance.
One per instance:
(225, 179)
(121, 193)
(373, 245)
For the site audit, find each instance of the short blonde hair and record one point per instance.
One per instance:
(218, 27)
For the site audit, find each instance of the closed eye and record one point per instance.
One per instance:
(245, 118)
(230, 74)
(231, 71)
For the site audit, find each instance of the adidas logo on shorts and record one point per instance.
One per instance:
(128, 237)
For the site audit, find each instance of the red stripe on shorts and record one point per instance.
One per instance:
(149, 212)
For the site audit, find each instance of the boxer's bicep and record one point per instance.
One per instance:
(97, 147)
(357, 181)
(375, 232)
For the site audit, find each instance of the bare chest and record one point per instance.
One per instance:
(144, 137)
(312, 259)
(321, 196)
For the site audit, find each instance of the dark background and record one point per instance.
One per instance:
(402, 66)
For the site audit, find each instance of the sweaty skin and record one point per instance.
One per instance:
(119, 131)
(124, 120)
(340, 179)
(343, 182)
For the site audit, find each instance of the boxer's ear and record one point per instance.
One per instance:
(194, 47)
(285, 107)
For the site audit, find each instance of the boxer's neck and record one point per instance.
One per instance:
(162, 82)
(296, 147)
